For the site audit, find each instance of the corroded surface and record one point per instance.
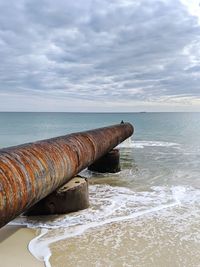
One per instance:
(31, 171)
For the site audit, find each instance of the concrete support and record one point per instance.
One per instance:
(30, 172)
(108, 163)
(72, 196)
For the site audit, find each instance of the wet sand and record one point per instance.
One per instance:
(14, 252)
(143, 243)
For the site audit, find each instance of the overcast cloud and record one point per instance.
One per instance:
(100, 55)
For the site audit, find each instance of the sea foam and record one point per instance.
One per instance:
(129, 143)
(108, 205)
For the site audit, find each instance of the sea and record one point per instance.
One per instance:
(146, 215)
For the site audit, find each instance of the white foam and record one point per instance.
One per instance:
(41, 252)
(128, 143)
(178, 193)
(40, 248)
(109, 205)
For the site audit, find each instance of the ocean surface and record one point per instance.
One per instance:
(146, 215)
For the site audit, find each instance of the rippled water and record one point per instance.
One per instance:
(146, 215)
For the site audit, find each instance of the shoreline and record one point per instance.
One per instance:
(14, 241)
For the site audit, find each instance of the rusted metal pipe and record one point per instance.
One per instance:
(32, 171)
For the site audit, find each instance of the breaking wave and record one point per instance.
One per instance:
(129, 143)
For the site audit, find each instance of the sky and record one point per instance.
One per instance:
(100, 55)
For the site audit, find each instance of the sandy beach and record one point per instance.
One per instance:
(14, 252)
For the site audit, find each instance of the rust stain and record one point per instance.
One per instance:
(32, 171)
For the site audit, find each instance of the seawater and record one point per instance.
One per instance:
(146, 215)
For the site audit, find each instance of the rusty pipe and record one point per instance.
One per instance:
(32, 171)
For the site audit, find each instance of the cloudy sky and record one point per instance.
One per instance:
(100, 55)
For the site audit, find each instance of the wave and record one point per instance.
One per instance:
(105, 202)
(109, 205)
(41, 250)
(129, 143)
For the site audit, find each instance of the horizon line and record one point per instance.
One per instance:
(100, 112)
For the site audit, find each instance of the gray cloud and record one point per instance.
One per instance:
(112, 51)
